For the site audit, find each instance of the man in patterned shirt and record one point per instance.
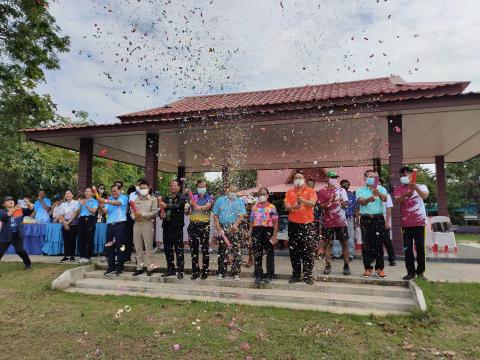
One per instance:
(410, 196)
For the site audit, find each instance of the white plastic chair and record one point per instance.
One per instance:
(442, 235)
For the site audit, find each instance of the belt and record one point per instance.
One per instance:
(371, 215)
(116, 223)
(86, 217)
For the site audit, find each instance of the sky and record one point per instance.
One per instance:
(132, 55)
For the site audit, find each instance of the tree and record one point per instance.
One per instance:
(463, 184)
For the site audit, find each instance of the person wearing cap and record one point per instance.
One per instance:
(333, 201)
(372, 223)
(350, 211)
(299, 203)
(11, 230)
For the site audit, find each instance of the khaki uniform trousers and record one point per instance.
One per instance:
(143, 236)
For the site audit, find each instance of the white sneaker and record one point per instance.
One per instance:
(220, 277)
(236, 277)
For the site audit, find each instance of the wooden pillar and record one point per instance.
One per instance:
(377, 166)
(151, 160)
(441, 185)
(225, 177)
(85, 164)
(181, 177)
(395, 148)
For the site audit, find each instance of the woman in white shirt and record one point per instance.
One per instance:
(69, 211)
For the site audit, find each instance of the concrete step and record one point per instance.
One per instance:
(298, 298)
(247, 273)
(326, 287)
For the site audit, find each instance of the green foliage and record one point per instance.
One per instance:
(463, 184)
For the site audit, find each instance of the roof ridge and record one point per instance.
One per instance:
(292, 87)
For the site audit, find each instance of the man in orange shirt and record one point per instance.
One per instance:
(299, 203)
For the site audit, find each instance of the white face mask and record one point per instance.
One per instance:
(231, 195)
(298, 182)
(405, 180)
(332, 181)
(201, 191)
(143, 192)
(137, 188)
(263, 198)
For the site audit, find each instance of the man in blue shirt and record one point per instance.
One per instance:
(115, 207)
(228, 213)
(370, 199)
(42, 208)
(11, 230)
(86, 225)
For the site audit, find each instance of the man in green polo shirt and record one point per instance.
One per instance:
(372, 223)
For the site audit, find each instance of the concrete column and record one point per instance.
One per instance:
(377, 166)
(225, 176)
(441, 185)
(85, 164)
(395, 148)
(181, 177)
(151, 160)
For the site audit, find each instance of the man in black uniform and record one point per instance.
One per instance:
(173, 221)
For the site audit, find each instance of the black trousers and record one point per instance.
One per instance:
(387, 242)
(235, 253)
(116, 233)
(17, 243)
(70, 240)
(199, 234)
(373, 235)
(301, 242)
(417, 234)
(129, 238)
(173, 239)
(261, 236)
(86, 233)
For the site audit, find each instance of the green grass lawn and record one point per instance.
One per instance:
(467, 237)
(39, 323)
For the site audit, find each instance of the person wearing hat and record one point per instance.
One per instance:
(333, 201)
(11, 230)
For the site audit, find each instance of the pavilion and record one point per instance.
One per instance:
(359, 123)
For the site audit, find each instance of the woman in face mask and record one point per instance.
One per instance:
(86, 225)
(264, 229)
(68, 217)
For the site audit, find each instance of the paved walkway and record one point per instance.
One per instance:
(451, 272)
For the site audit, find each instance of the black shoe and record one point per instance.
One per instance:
(421, 276)
(150, 272)
(110, 272)
(169, 273)
(350, 258)
(308, 281)
(118, 272)
(204, 276)
(346, 270)
(180, 275)
(393, 263)
(258, 280)
(72, 259)
(267, 280)
(293, 279)
(28, 267)
(195, 276)
(409, 277)
(138, 272)
(64, 260)
(328, 269)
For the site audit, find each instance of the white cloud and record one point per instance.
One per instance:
(250, 45)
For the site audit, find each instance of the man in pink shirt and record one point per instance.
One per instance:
(410, 196)
(333, 200)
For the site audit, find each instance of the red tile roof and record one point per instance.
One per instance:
(362, 91)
